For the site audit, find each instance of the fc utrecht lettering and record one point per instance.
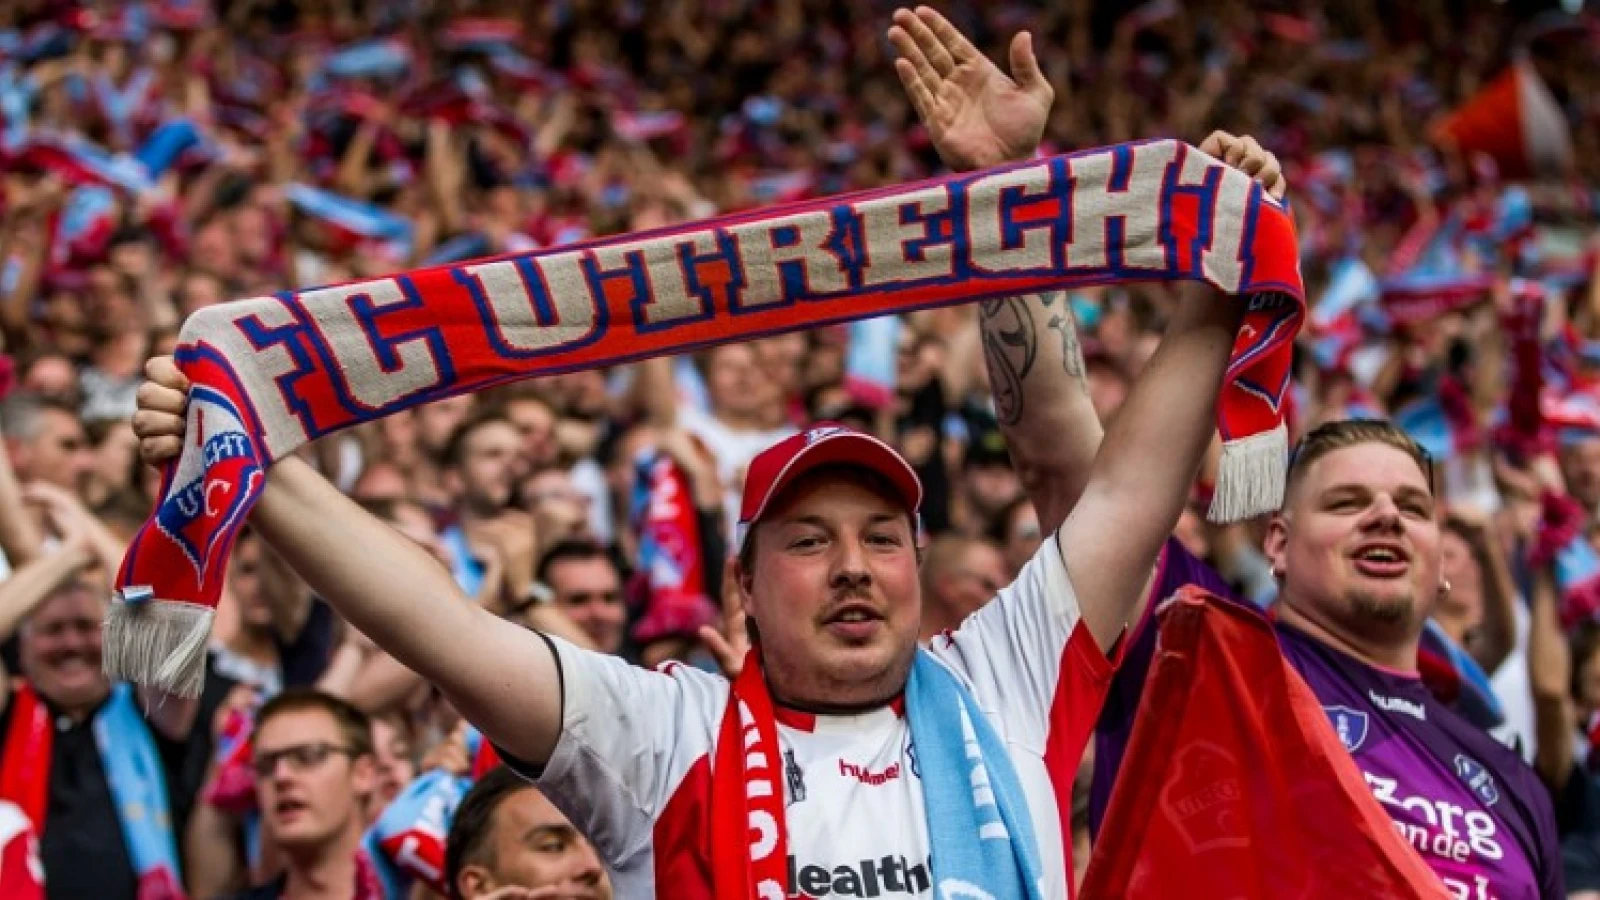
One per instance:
(1107, 213)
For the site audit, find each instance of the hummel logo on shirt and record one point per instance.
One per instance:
(859, 773)
(1399, 705)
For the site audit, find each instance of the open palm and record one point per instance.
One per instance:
(976, 115)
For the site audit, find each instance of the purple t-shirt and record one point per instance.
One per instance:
(1472, 808)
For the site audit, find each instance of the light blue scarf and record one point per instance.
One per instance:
(979, 830)
(138, 785)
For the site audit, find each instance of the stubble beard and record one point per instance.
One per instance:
(1386, 612)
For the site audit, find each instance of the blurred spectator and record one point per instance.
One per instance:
(480, 465)
(47, 441)
(67, 730)
(584, 584)
(1017, 535)
(988, 485)
(959, 576)
(507, 835)
(744, 414)
(315, 775)
(284, 636)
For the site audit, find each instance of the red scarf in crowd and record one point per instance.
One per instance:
(272, 373)
(1236, 784)
(749, 858)
(21, 871)
(133, 774)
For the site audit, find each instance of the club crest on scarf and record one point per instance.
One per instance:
(209, 488)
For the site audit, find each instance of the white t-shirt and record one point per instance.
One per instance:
(633, 766)
(1510, 685)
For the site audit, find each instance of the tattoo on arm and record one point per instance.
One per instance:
(1064, 324)
(1010, 344)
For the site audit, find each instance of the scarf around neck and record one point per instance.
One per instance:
(980, 836)
(133, 770)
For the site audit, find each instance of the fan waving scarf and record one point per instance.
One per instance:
(272, 373)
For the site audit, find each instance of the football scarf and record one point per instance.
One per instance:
(271, 373)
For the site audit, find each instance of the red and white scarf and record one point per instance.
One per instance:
(271, 373)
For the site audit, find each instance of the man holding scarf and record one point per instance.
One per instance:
(843, 759)
(1355, 550)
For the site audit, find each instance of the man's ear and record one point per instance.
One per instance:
(474, 881)
(364, 775)
(744, 583)
(1276, 544)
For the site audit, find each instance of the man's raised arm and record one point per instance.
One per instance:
(977, 116)
(501, 677)
(1140, 479)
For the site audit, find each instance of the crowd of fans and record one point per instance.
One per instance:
(160, 157)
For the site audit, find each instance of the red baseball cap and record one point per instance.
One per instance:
(823, 444)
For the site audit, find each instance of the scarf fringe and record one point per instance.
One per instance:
(1251, 475)
(160, 643)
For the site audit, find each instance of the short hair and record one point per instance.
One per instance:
(353, 724)
(468, 841)
(455, 447)
(20, 413)
(527, 391)
(702, 360)
(567, 550)
(1346, 433)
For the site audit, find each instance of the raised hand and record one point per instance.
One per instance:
(450, 754)
(731, 643)
(976, 115)
(1243, 153)
(72, 524)
(159, 421)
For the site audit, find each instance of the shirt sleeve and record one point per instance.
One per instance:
(1024, 647)
(1176, 569)
(628, 738)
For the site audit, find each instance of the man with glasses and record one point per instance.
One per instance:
(315, 772)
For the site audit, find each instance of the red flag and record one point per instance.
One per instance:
(1515, 120)
(1236, 786)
